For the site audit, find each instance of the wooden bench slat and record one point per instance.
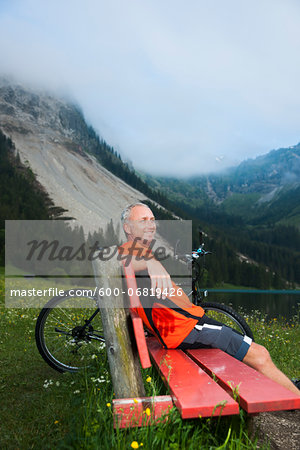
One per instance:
(139, 334)
(129, 412)
(131, 285)
(257, 393)
(137, 322)
(194, 392)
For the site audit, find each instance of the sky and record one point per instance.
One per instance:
(178, 87)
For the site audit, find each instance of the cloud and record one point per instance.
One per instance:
(175, 82)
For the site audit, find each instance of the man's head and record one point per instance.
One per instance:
(139, 223)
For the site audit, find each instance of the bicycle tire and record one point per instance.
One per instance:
(60, 337)
(227, 315)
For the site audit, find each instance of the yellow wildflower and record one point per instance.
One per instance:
(148, 380)
(148, 412)
(108, 405)
(134, 444)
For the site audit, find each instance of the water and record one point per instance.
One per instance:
(273, 305)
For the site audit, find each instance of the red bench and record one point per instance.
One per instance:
(202, 383)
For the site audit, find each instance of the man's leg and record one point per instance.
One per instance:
(259, 359)
(214, 334)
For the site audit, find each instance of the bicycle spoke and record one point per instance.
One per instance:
(67, 341)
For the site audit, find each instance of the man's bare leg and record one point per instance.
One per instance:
(259, 358)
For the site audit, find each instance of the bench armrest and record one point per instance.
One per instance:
(137, 322)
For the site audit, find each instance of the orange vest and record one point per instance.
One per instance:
(172, 319)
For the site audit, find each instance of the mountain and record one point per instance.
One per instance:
(249, 214)
(261, 190)
(80, 172)
(251, 211)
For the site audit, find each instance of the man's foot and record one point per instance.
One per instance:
(296, 382)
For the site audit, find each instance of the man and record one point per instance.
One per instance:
(168, 313)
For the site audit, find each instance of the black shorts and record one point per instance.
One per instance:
(210, 333)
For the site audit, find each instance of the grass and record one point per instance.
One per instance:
(280, 337)
(43, 409)
(35, 399)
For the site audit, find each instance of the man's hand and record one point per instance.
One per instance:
(160, 279)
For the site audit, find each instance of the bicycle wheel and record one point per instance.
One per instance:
(63, 337)
(225, 314)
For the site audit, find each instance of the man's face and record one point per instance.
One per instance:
(140, 224)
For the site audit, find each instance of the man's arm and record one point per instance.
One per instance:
(160, 279)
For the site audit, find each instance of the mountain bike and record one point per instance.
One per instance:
(69, 331)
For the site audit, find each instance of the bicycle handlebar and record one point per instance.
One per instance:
(189, 257)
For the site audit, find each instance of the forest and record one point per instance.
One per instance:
(21, 196)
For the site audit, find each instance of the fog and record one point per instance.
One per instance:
(178, 88)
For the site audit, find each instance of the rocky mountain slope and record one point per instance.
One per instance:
(50, 136)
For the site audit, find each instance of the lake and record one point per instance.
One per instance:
(281, 303)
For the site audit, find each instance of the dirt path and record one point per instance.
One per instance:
(280, 428)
